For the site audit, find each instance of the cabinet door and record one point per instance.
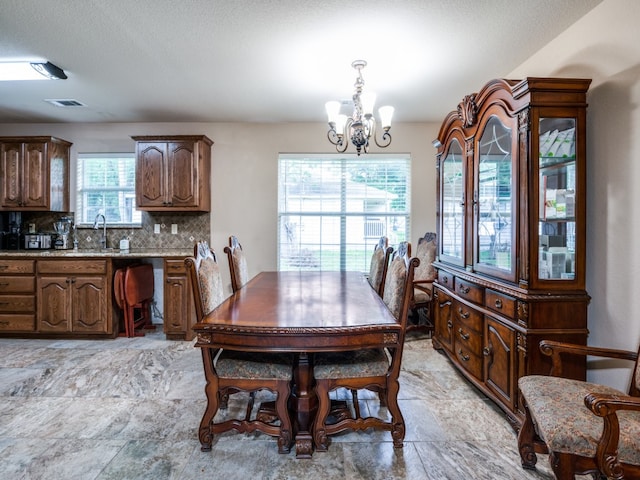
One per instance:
(151, 181)
(11, 169)
(452, 217)
(442, 314)
(54, 304)
(495, 194)
(89, 304)
(499, 361)
(35, 175)
(182, 175)
(176, 302)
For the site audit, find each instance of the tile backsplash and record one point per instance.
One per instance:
(191, 227)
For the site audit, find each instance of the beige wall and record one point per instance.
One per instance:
(245, 169)
(604, 46)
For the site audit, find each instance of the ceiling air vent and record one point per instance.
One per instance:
(65, 102)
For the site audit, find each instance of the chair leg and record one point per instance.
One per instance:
(320, 438)
(284, 440)
(397, 428)
(205, 434)
(562, 465)
(526, 440)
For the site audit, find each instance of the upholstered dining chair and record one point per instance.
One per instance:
(372, 369)
(379, 264)
(237, 264)
(235, 371)
(423, 279)
(586, 428)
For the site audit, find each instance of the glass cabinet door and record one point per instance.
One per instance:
(452, 204)
(494, 216)
(557, 203)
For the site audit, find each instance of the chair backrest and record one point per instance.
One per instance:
(426, 253)
(237, 264)
(398, 284)
(206, 281)
(379, 264)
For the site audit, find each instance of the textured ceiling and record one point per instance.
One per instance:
(264, 60)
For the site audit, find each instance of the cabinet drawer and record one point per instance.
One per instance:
(468, 317)
(445, 278)
(17, 303)
(468, 339)
(16, 284)
(469, 361)
(17, 323)
(74, 267)
(174, 266)
(500, 303)
(16, 266)
(469, 291)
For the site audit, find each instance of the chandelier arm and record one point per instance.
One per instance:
(333, 137)
(385, 141)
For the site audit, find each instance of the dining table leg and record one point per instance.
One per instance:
(305, 404)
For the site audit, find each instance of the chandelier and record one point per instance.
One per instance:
(360, 127)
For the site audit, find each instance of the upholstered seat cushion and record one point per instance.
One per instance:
(420, 296)
(234, 364)
(567, 426)
(351, 364)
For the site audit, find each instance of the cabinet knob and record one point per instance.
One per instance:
(462, 313)
(449, 324)
(486, 351)
(464, 336)
(463, 356)
(498, 303)
(463, 289)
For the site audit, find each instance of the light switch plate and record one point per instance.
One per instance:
(174, 228)
(156, 228)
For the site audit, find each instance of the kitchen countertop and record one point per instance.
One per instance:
(96, 252)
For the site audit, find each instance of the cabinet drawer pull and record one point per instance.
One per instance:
(463, 356)
(498, 303)
(4, 284)
(4, 323)
(444, 304)
(4, 267)
(463, 289)
(445, 279)
(449, 324)
(462, 313)
(464, 336)
(4, 303)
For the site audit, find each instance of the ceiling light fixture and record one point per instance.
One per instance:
(360, 127)
(30, 71)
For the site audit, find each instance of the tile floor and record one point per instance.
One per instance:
(130, 409)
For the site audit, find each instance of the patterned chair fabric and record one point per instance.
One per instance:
(235, 370)
(379, 265)
(237, 264)
(426, 273)
(372, 369)
(585, 427)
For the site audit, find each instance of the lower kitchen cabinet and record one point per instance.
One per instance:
(17, 296)
(179, 310)
(74, 297)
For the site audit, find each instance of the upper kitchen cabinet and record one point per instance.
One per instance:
(173, 173)
(35, 174)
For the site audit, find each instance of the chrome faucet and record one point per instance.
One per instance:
(103, 239)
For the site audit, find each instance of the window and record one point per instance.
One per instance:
(106, 184)
(333, 209)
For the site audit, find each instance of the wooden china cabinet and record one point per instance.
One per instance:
(511, 213)
(173, 173)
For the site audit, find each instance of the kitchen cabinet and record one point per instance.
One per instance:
(74, 297)
(35, 174)
(17, 296)
(179, 309)
(511, 221)
(173, 173)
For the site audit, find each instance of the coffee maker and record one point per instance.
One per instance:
(11, 226)
(63, 232)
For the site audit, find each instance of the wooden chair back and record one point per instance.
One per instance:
(237, 264)
(379, 264)
(206, 281)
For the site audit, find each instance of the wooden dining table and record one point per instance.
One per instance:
(302, 313)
